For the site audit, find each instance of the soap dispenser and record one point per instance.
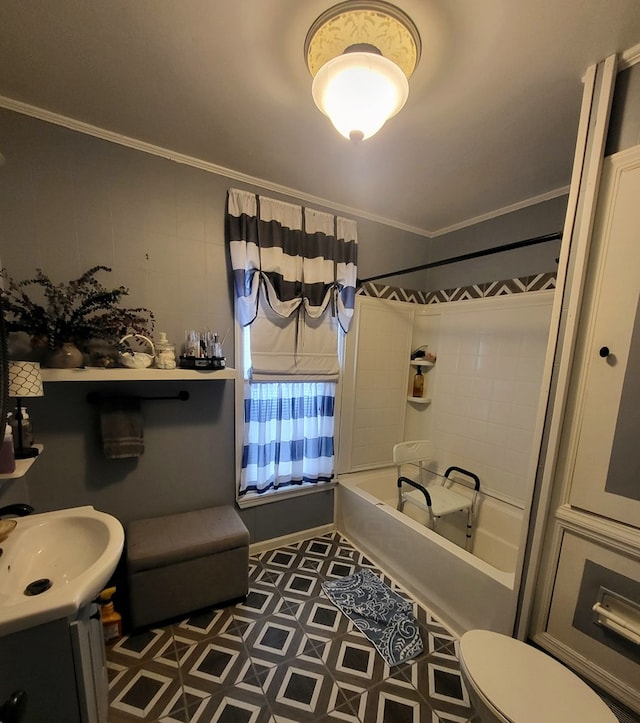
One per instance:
(111, 620)
(21, 427)
(7, 457)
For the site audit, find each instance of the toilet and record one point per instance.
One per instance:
(512, 682)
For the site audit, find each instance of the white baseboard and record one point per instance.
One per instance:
(275, 542)
(603, 679)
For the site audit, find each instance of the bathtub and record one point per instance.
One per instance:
(464, 590)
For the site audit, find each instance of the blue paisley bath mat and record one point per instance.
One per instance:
(379, 613)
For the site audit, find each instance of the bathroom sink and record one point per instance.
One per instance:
(55, 562)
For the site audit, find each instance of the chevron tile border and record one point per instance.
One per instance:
(520, 285)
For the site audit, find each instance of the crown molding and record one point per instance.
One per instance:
(136, 144)
(502, 211)
(629, 57)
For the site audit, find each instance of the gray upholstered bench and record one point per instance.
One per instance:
(181, 563)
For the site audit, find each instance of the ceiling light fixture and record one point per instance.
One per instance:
(361, 54)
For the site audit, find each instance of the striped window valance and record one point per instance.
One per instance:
(301, 258)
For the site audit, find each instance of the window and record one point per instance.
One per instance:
(288, 435)
(294, 277)
(288, 424)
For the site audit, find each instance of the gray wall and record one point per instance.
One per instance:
(393, 250)
(541, 219)
(537, 220)
(624, 125)
(69, 201)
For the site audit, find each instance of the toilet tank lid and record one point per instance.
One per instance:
(527, 685)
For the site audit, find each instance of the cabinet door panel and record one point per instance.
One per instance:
(585, 569)
(605, 477)
(623, 477)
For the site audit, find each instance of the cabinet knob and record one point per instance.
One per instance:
(14, 708)
(604, 352)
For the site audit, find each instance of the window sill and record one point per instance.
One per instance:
(255, 500)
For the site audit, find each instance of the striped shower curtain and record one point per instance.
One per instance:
(295, 277)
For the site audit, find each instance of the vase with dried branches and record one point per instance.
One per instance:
(63, 318)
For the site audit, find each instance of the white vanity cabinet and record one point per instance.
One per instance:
(90, 665)
(61, 668)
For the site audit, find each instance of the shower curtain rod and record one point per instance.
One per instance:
(466, 257)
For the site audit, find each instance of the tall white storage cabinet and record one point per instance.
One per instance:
(606, 474)
(588, 611)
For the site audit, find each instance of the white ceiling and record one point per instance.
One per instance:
(490, 121)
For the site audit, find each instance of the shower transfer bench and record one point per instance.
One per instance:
(180, 563)
(444, 495)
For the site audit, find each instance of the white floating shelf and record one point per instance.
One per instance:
(419, 400)
(97, 374)
(22, 465)
(420, 363)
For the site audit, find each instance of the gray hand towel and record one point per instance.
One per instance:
(121, 427)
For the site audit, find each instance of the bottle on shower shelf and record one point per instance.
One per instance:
(418, 384)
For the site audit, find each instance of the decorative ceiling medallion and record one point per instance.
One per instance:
(374, 23)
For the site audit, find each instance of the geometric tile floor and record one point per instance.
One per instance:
(285, 654)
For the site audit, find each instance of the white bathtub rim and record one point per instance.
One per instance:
(507, 579)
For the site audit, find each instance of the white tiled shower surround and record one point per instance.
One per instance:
(486, 385)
